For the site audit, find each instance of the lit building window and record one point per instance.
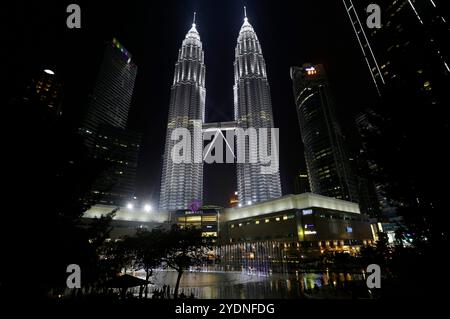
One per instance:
(191, 219)
(209, 218)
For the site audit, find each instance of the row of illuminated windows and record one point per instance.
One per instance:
(264, 221)
(197, 219)
(208, 228)
(341, 217)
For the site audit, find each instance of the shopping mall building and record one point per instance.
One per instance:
(272, 235)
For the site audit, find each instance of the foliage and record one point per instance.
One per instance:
(184, 248)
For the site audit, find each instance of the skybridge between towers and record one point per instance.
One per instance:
(218, 127)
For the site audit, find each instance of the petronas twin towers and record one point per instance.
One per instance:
(182, 183)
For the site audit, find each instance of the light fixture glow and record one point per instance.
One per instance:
(48, 71)
(249, 202)
(130, 206)
(147, 208)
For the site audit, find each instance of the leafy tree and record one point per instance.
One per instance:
(100, 229)
(116, 256)
(149, 249)
(184, 248)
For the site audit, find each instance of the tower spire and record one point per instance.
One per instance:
(245, 13)
(193, 29)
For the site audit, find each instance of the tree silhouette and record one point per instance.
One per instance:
(149, 249)
(184, 248)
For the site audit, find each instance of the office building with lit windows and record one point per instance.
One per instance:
(118, 150)
(105, 131)
(410, 49)
(408, 60)
(110, 100)
(327, 162)
(45, 91)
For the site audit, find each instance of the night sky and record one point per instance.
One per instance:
(291, 33)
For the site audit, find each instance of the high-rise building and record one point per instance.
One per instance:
(111, 98)
(45, 91)
(301, 183)
(182, 183)
(327, 162)
(252, 109)
(409, 50)
(371, 129)
(105, 128)
(118, 149)
(409, 62)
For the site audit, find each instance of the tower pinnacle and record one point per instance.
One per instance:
(193, 33)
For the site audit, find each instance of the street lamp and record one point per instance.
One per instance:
(130, 206)
(249, 202)
(147, 208)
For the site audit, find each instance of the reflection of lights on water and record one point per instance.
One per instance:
(288, 285)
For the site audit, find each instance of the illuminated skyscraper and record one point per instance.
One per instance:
(111, 98)
(252, 109)
(326, 159)
(105, 127)
(182, 183)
